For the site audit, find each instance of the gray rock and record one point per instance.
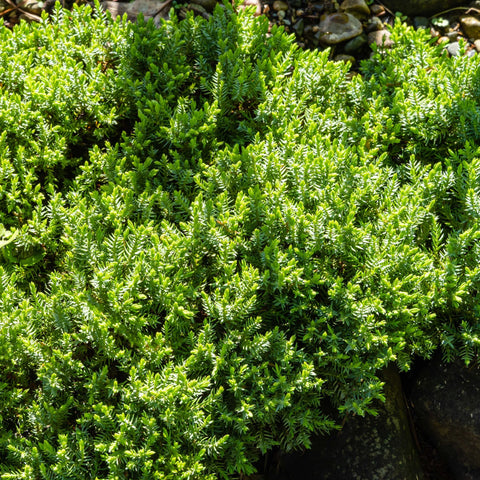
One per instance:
(377, 9)
(471, 26)
(445, 398)
(208, 5)
(344, 58)
(421, 22)
(373, 24)
(118, 9)
(453, 49)
(299, 26)
(338, 27)
(358, 8)
(279, 5)
(421, 7)
(381, 38)
(452, 36)
(368, 448)
(31, 6)
(198, 10)
(355, 44)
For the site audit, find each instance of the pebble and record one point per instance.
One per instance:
(452, 36)
(373, 24)
(280, 5)
(453, 49)
(281, 14)
(31, 6)
(299, 27)
(476, 43)
(208, 5)
(377, 9)
(443, 40)
(338, 27)
(381, 38)
(471, 27)
(355, 44)
(355, 7)
(344, 58)
(198, 9)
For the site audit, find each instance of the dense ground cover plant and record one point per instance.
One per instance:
(211, 241)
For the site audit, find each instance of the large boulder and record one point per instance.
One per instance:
(368, 448)
(446, 401)
(422, 7)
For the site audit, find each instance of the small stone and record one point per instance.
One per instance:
(208, 5)
(32, 6)
(355, 44)
(300, 13)
(373, 24)
(148, 8)
(421, 22)
(471, 53)
(443, 40)
(377, 9)
(453, 49)
(281, 14)
(338, 27)
(355, 7)
(434, 33)
(280, 5)
(344, 58)
(381, 38)
(116, 9)
(477, 45)
(471, 27)
(452, 36)
(198, 10)
(299, 26)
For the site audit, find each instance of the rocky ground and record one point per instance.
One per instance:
(348, 28)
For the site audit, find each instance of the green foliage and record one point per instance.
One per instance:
(212, 241)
